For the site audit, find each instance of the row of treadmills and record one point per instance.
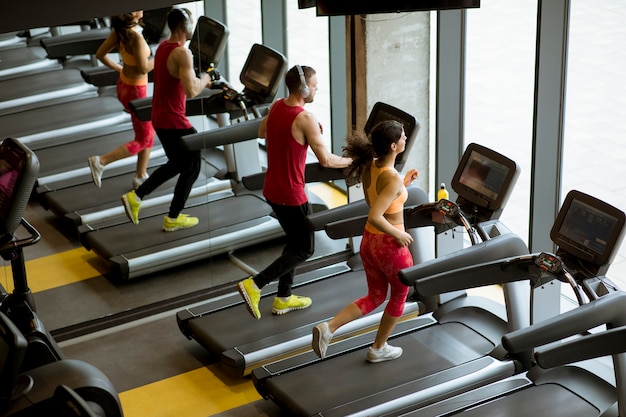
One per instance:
(463, 355)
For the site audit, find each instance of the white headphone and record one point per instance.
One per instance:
(188, 26)
(304, 88)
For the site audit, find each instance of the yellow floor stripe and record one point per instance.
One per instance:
(199, 393)
(56, 270)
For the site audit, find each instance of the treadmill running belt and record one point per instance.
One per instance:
(545, 400)
(214, 331)
(213, 216)
(426, 352)
(37, 125)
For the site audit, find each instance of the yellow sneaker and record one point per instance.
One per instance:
(251, 296)
(132, 204)
(183, 221)
(294, 302)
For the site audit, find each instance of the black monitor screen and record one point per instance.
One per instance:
(154, 23)
(381, 112)
(208, 43)
(263, 70)
(484, 177)
(588, 228)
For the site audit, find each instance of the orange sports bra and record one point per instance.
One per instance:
(129, 59)
(396, 205)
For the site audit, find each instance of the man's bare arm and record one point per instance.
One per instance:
(312, 133)
(183, 68)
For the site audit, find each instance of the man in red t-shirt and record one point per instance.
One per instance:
(289, 131)
(174, 81)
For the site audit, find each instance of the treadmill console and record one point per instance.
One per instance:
(548, 262)
(381, 112)
(208, 43)
(447, 208)
(588, 230)
(18, 172)
(484, 180)
(154, 23)
(262, 73)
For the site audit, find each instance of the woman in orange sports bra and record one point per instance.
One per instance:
(132, 84)
(384, 247)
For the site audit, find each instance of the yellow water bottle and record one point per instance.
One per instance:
(443, 193)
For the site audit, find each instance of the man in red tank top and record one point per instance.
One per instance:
(289, 131)
(174, 81)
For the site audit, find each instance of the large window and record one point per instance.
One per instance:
(499, 91)
(595, 126)
(308, 45)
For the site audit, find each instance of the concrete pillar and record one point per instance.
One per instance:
(390, 62)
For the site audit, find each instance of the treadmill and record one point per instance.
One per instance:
(561, 377)
(243, 351)
(463, 350)
(52, 55)
(569, 378)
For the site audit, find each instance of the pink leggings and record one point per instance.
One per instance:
(144, 132)
(382, 259)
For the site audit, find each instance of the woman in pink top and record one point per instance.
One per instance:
(384, 247)
(132, 84)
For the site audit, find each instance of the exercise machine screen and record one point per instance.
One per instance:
(484, 177)
(208, 43)
(588, 228)
(263, 70)
(381, 112)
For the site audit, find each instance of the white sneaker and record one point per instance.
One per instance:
(96, 170)
(386, 353)
(321, 339)
(137, 181)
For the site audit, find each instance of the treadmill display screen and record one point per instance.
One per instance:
(207, 43)
(588, 228)
(262, 69)
(484, 177)
(381, 112)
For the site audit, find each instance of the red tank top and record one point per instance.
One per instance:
(169, 103)
(286, 158)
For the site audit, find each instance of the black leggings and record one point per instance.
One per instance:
(300, 246)
(179, 161)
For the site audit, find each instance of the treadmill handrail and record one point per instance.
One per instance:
(85, 42)
(224, 135)
(354, 214)
(605, 310)
(609, 342)
(474, 266)
(313, 172)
